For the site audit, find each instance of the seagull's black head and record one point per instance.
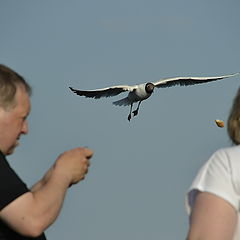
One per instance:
(149, 87)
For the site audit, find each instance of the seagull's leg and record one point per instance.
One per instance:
(129, 115)
(136, 111)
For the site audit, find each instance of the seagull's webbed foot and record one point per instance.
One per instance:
(130, 113)
(135, 112)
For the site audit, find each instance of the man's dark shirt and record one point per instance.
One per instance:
(11, 187)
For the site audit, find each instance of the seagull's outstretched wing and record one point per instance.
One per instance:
(185, 81)
(103, 92)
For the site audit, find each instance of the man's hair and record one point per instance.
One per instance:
(234, 120)
(9, 81)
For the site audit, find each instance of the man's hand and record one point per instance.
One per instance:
(73, 164)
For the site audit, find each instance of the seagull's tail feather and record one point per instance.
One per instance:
(123, 102)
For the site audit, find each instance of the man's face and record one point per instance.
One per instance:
(13, 122)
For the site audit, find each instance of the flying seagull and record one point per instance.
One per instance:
(140, 92)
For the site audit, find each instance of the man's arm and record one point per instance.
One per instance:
(212, 218)
(34, 211)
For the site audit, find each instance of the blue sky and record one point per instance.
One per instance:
(141, 170)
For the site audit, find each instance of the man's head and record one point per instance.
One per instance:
(14, 108)
(9, 81)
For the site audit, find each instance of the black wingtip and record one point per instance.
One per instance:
(72, 89)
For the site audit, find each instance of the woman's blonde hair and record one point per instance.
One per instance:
(234, 120)
(9, 80)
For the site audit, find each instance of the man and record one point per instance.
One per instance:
(26, 213)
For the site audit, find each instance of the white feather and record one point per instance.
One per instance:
(123, 102)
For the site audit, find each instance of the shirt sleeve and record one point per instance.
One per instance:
(214, 177)
(11, 186)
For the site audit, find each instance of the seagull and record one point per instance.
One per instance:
(140, 92)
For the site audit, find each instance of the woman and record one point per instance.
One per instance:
(213, 200)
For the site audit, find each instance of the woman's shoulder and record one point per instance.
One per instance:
(229, 154)
(232, 149)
